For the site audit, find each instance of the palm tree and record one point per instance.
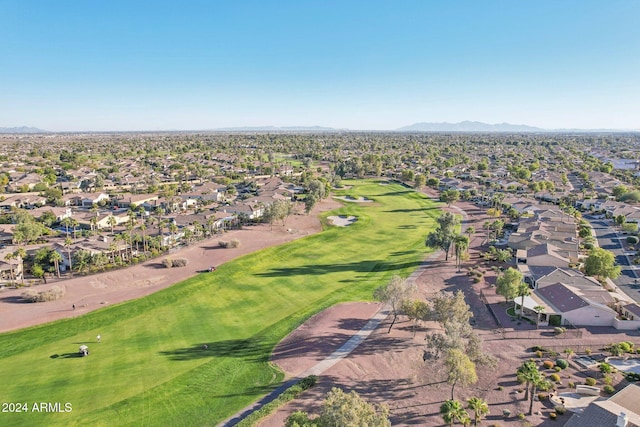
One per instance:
(55, 258)
(143, 227)
(8, 257)
(67, 244)
(452, 411)
(528, 373)
(66, 222)
(470, 231)
(523, 291)
(112, 222)
(461, 244)
(173, 228)
(479, 408)
(539, 309)
(21, 254)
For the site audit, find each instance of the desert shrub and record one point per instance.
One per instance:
(632, 240)
(588, 245)
(560, 409)
(548, 364)
(521, 416)
(234, 243)
(30, 295)
(606, 368)
(539, 354)
(167, 263)
(555, 378)
(590, 381)
(476, 280)
(542, 396)
(571, 384)
(626, 346)
(608, 389)
(553, 415)
(562, 363)
(557, 368)
(52, 294)
(223, 244)
(608, 380)
(587, 351)
(537, 348)
(558, 330)
(308, 382)
(179, 262)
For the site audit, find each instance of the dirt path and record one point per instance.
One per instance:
(89, 293)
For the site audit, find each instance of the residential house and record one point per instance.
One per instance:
(566, 305)
(620, 410)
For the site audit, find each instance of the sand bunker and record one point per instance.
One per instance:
(353, 199)
(342, 220)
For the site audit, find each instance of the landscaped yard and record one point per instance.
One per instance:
(152, 366)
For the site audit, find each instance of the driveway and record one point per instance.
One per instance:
(609, 239)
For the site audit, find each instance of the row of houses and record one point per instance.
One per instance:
(547, 253)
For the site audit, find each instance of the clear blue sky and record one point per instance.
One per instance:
(152, 65)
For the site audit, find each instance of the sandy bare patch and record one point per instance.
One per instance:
(353, 199)
(342, 221)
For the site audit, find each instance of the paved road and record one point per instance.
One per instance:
(609, 239)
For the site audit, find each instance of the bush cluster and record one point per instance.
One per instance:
(560, 409)
(608, 389)
(233, 243)
(555, 378)
(590, 381)
(51, 294)
(178, 262)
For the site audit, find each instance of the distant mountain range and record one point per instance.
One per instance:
(278, 129)
(465, 126)
(468, 126)
(22, 129)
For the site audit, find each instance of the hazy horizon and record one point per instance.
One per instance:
(376, 65)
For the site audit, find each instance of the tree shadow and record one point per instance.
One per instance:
(352, 324)
(15, 299)
(73, 355)
(356, 267)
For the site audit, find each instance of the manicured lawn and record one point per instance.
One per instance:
(151, 368)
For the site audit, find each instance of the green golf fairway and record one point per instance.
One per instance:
(151, 367)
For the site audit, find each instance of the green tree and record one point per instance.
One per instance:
(452, 411)
(449, 196)
(508, 282)
(343, 409)
(420, 181)
(601, 263)
(394, 294)
(479, 407)
(444, 234)
(416, 310)
(460, 369)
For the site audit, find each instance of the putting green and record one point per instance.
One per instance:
(151, 367)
